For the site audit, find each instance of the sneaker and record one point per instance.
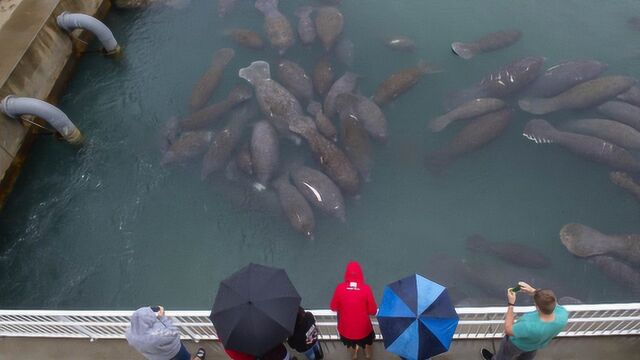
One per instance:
(486, 354)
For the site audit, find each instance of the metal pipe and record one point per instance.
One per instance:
(15, 106)
(71, 21)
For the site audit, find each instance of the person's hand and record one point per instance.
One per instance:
(524, 287)
(161, 311)
(511, 296)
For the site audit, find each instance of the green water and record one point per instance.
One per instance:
(106, 226)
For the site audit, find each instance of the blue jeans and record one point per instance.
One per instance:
(311, 353)
(183, 354)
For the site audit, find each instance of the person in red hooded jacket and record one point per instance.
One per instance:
(354, 303)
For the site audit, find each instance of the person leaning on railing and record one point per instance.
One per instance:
(533, 330)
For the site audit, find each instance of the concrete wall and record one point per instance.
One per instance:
(37, 59)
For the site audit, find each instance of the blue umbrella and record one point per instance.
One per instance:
(416, 318)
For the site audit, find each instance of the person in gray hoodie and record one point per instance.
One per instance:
(155, 336)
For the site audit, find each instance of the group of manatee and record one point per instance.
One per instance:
(284, 104)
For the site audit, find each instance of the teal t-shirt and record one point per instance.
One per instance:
(530, 333)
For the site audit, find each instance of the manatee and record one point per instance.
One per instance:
(632, 96)
(345, 51)
(400, 43)
(477, 133)
(226, 140)
(323, 76)
(323, 123)
(517, 254)
(225, 7)
(479, 301)
(400, 82)
(487, 43)
(334, 162)
(569, 300)
(492, 278)
(247, 38)
(345, 84)
(583, 241)
(139, 4)
(276, 25)
(357, 145)
(243, 161)
(564, 76)
(210, 80)
(329, 24)
(364, 110)
(169, 133)
(581, 96)
(295, 207)
(623, 112)
(208, 116)
(265, 152)
(306, 26)
(276, 102)
(501, 83)
(589, 147)
(295, 79)
(608, 130)
(320, 191)
(189, 145)
(625, 275)
(470, 109)
(626, 182)
(634, 22)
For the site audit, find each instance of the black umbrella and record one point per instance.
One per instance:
(255, 309)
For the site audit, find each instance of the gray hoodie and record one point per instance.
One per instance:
(155, 337)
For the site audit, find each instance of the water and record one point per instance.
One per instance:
(105, 226)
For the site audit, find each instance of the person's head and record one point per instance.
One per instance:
(545, 301)
(300, 316)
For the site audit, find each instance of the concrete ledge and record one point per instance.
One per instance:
(37, 61)
(610, 348)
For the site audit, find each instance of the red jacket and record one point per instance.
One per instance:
(237, 355)
(354, 302)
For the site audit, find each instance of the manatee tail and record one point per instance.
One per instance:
(258, 70)
(540, 131)
(301, 125)
(304, 11)
(536, 106)
(438, 124)
(265, 6)
(464, 50)
(477, 243)
(437, 162)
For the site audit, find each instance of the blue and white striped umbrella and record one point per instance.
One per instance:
(417, 318)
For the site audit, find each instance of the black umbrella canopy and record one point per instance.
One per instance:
(255, 309)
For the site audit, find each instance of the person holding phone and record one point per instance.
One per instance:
(533, 330)
(305, 336)
(156, 338)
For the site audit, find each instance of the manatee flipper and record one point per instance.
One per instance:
(258, 70)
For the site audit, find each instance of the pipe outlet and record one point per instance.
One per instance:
(71, 21)
(14, 107)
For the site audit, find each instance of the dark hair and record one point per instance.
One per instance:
(300, 315)
(545, 301)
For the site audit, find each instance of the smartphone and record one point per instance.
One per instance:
(155, 308)
(515, 288)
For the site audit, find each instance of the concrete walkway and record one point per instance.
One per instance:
(610, 348)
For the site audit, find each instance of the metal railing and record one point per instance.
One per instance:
(475, 323)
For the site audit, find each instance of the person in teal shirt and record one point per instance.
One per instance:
(533, 330)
